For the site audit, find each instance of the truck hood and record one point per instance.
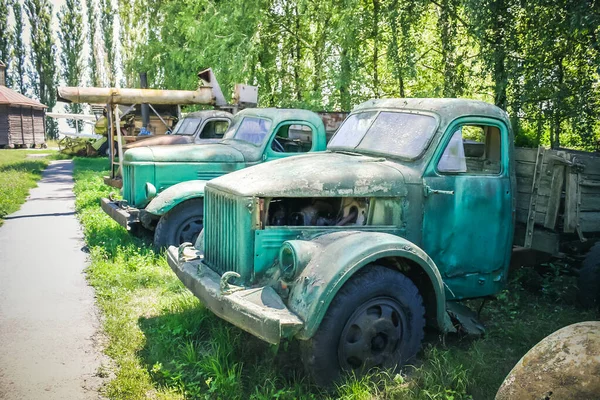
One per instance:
(220, 153)
(316, 175)
(160, 140)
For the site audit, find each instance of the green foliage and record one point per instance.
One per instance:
(43, 55)
(165, 345)
(5, 38)
(107, 25)
(537, 60)
(19, 53)
(71, 38)
(92, 24)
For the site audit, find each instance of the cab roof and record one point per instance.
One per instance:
(210, 114)
(278, 115)
(448, 109)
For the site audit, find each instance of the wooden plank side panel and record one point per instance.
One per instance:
(523, 154)
(558, 178)
(589, 161)
(570, 215)
(4, 126)
(543, 240)
(14, 121)
(521, 216)
(589, 221)
(38, 121)
(27, 126)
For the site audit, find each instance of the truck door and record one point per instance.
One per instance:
(291, 138)
(468, 209)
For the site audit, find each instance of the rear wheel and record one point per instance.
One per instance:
(376, 320)
(181, 224)
(589, 278)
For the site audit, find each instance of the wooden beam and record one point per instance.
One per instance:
(556, 188)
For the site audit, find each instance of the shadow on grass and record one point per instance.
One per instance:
(197, 353)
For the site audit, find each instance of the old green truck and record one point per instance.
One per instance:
(354, 250)
(199, 127)
(163, 186)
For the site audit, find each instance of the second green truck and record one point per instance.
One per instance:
(163, 186)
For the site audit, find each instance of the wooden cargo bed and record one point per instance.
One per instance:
(558, 197)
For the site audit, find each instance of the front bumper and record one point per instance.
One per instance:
(125, 216)
(259, 311)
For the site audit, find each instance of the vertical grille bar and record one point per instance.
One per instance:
(128, 189)
(224, 233)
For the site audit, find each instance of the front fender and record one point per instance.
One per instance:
(341, 255)
(175, 195)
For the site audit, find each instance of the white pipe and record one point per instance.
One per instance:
(204, 95)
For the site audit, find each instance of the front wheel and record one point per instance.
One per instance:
(181, 224)
(376, 320)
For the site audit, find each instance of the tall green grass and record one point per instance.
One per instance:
(18, 174)
(165, 345)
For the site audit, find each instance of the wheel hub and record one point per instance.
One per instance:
(189, 231)
(372, 335)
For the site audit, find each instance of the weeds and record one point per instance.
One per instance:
(165, 345)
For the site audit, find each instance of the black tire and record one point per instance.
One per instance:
(589, 279)
(103, 150)
(181, 224)
(379, 308)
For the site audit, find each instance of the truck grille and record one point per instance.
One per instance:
(128, 184)
(227, 233)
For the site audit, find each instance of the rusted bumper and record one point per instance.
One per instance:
(126, 217)
(259, 311)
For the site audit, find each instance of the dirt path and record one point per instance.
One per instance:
(48, 320)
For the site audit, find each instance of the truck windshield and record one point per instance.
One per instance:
(395, 133)
(187, 126)
(250, 129)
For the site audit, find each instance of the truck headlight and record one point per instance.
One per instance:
(150, 191)
(294, 255)
(287, 261)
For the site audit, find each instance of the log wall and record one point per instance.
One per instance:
(26, 126)
(4, 127)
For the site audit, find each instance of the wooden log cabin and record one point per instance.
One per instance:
(22, 120)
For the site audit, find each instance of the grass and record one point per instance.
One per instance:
(164, 345)
(18, 174)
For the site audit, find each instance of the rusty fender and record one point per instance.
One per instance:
(339, 257)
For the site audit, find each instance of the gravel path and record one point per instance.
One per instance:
(48, 320)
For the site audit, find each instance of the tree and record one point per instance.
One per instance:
(91, 36)
(19, 52)
(71, 38)
(43, 57)
(107, 24)
(5, 38)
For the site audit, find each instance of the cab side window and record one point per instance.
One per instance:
(473, 149)
(293, 138)
(214, 129)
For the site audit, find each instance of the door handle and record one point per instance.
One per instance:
(429, 190)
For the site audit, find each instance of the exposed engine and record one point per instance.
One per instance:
(328, 211)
